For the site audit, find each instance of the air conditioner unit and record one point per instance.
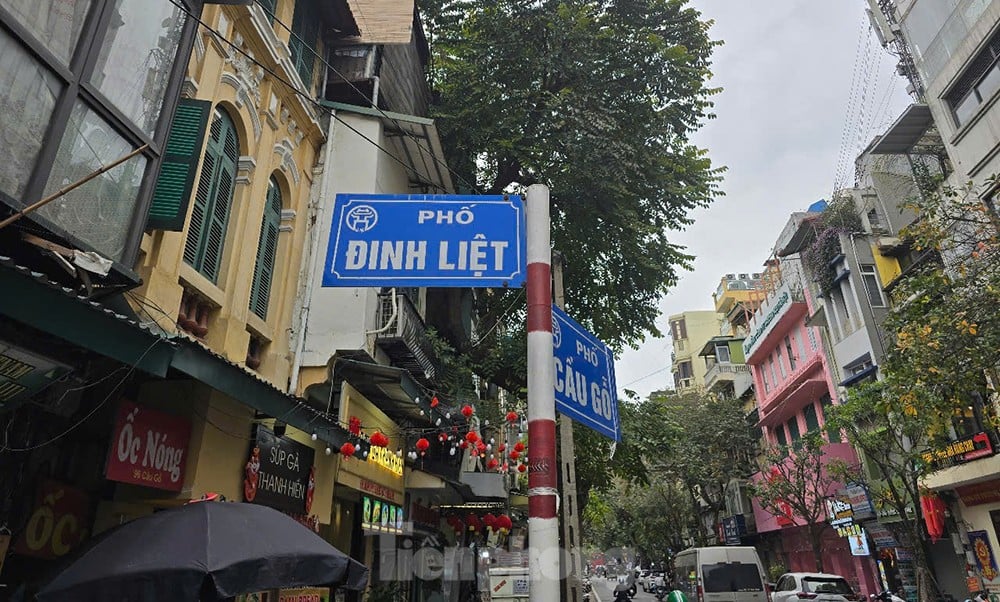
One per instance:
(744, 276)
(887, 245)
(730, 276)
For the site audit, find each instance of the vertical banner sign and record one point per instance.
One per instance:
(979, 541)
(426, 240)
(148, 448)
(283, 469)
(585, 376)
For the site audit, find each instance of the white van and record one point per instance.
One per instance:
(721, 574)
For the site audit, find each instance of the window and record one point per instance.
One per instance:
(825, 404)
(791, 353)
(304, 38)
(875, 220)
(684, 369)
(679, 329)
(774, 375)
(763, 378)
(722, 353)
(872, 285)
(977, 84)
(213, 198)
(801, 346)
(267, 251)
(793, 430)
(731, 577)
(781, 363)
(779, 435)
(269, 7)
(812, 421)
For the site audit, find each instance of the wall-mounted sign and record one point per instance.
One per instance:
(963, 450)
(59, 522)
(424, 516)
(377, 490)
(859, 544)
(839, 513)
(304, 594)
(22, 374)
(766, 323)
(882, 536)
(279, 473)
(979, 493)
(979, 541)
(148, 448)
(861, 503)
(381, 516)
(585, 376)
(426, 240)
(384, 458)
(733, 529)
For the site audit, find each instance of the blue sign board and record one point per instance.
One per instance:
(426, 240)
(585, 376)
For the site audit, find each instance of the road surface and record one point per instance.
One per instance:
(604, 587)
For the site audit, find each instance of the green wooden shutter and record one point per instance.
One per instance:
(267, 251)
(304, 38)
(268, 6)
(180, 162)
(213, 200)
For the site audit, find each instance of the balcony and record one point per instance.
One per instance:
(404, 338)
(723, 374)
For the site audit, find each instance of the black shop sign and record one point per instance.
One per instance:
(279, 473)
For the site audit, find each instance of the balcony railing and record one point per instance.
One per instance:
(405, 340)
(724, 371)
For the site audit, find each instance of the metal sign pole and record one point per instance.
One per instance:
(543, 524)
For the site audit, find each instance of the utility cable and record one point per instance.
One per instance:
(374, 105)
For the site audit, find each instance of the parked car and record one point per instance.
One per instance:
(655, 580)
(819, 587)
(643, 580)
(721, 574)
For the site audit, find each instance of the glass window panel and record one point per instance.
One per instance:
(138, 49)
(967, 108)
(100, 212)
(793, 429)
(27, 94)
(56, 23)
(990, 83)
(722, 354)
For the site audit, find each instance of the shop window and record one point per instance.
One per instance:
(213, 199)
(267, 251)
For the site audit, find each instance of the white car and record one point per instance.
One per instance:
(643, 580)
(818, 587)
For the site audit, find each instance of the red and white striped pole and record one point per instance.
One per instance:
(543, 523)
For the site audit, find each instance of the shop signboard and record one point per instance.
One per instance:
(427, 240)
(58, 523)
(839, 512)
(381, 516)
(304, 594)
(861, 503)
(585, 387)
(148, 448)
(882, 536)
(733, 528)
(986, 562)
(859, 544)
(279, 473)
(971, 448)
(979, 493)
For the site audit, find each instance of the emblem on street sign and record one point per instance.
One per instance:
(426, 240)
(585, 376)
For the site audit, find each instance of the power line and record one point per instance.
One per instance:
(653, 373)
(371, 100)
(308, 97)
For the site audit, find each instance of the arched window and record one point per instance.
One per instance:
(267, 251)
(213, 198)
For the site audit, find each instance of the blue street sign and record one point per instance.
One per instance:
(426, 240)
(585, 376)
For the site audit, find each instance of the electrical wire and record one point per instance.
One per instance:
(307, 97)
(360, 92)
(653, 373)
(97, 407)
(499, 320)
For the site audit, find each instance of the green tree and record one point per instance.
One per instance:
(795, 477)
(598, 99)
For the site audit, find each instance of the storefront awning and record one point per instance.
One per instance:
(854, 379)
(905, 133)
(391, 389)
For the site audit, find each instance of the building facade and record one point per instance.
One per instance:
(689, 331)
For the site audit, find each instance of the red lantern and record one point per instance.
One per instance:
(442, 437)
(521, 468)
(519, 447)
(490, 521)
(491, 464)
(501, 447)
(472, 436)
(467, 411)
(472, 521)
(514, 455)
(422, 445)
(434, 401)
(512, 417)
(504, 524)
(378, 439)
(354, 426)
(933, 508)
(463, 444)
(347, 449)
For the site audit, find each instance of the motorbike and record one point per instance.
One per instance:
(660, 592)
(886, 596)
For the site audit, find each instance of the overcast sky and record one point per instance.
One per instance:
(806, 86)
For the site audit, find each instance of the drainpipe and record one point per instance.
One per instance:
(310, 259)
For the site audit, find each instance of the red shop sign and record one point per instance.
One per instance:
(148, 448)
(59, 522)
(980, 493)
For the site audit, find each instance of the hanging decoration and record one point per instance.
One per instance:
(434, 401)
(354, 426)
(492, 464)
(514, 455)
(933, 508)
(504, 524)
(472, 436)
(467, 411)
(521, 468)
(422, 445)
(502, 447)
(512, 417)
(519, 447)
(473, 523)
(442, 437)
(378, 439)
(347, 449)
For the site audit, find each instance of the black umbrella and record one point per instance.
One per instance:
(203, 551)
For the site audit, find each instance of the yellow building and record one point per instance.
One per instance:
(689, 331)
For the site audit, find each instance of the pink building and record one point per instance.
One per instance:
(794, 387)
